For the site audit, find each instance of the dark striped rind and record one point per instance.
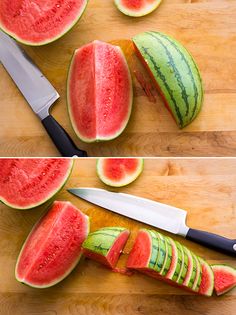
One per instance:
(198, 279)
(102, 240)
(155, 249)
(184, 267)
(175, 73)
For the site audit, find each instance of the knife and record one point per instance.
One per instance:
(156, 214)
(38, 92)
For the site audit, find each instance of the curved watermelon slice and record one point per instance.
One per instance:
(207, 283)
(53, 247)
(118, 172)
(39, 22)
(99, 92)
(28, 183)
(137, 8)
(105, 245)
(225, 278)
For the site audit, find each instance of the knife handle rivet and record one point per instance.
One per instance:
(234, 247)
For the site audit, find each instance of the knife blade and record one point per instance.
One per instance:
(37, 90)
(159, 215)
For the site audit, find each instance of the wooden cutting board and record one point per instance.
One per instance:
(205, 188)
(206, 27)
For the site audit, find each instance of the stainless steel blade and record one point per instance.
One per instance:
(37, 90)
(144, 210)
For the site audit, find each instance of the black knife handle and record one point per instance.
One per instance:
(61, 139)
(213, 241)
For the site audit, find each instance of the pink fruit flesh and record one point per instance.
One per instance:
(140, 254)
(136, 4)
(224, 281)
(100, 101)
(54, 245)
(39, 21)
(114, 253)
(115, 169)
(205, 282)
(25, 182)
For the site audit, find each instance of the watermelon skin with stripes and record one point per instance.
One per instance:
(105, 245)
(174, 72)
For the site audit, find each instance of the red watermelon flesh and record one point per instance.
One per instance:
(39, 22)
(137, 8)
(114, 252)
(27, 183)
(225, 278)
(207, 283)
(53, 248)
(99, 92)
(136, 4)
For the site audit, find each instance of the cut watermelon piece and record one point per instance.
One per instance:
(198, 278)
(137, 8)
(192, 269)
(184, 265)
(118, 172)
(39, 22)
(207, 283)
(99, 92)
(225, 278)
(27, 183)
(176, 262)
(105, 245)
(53, 248)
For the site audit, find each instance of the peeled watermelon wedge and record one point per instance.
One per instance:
(39, 22)
(118, 172)
(27, 183)
(105, 245)
(99, 92)
(137, 8)
(53, 247)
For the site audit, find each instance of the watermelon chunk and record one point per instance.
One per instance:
(28, 183)
(105, 245)
(99, 92)
(118, 172)
(225, 278)
(39, 22)
(137, 8)
(53, 247)
(207, 282)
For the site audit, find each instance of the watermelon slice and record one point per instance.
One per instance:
(225, 278)
(207, 283)
(39, 22)
(105, 245)
(27, 183)
(118, 172)
(99, 92)
(198, 278)
(137, 8)
(53, 248)
(176, 261)
(192, 269)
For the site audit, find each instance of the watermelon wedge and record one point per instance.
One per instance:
(28, 183)
(105, 245)
(39, 22)
(53, 247)
(99, 92)
(225, 278)
(118, 172)
(137, 8)
(207, 283)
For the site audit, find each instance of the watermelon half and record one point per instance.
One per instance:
(105, 245)
(28, 183)
(174, 72)
(99, 92)
(137, 8)
(225, 278)
(118, 172)
(53, 247)
(39, 22)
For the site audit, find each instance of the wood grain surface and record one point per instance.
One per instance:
(206, 27)
(206, 188)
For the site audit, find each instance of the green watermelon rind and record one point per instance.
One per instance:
(230, 270)
(129, 179)
(141, 13)
(126, 121)
(44, 200)
(176, 270)
(189, 282)
(184, 267)
(198, 279)
(184, 98)
(59, 279)
(49, 41)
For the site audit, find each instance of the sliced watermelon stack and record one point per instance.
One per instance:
(165, 259)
